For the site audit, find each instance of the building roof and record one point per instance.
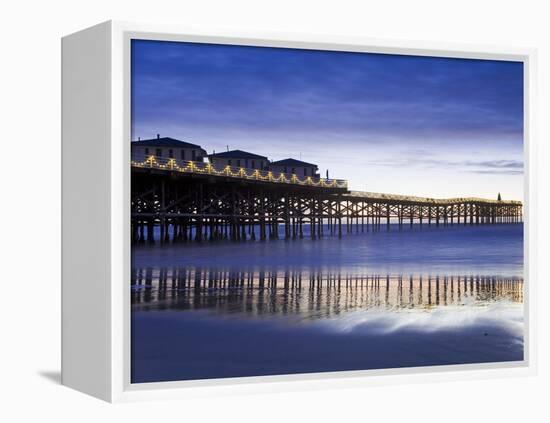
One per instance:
(237, 154)
(293, 162)
(165, 142)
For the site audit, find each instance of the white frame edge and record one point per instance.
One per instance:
(117, 339)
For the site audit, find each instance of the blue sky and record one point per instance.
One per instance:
(388, 123)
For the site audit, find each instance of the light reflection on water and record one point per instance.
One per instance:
(309, 295)
(417, 297)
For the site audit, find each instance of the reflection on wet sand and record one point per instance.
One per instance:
(310, 294)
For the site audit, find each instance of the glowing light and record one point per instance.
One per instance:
(240, 172)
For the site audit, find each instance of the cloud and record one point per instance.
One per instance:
(283, 90)
(496, 167)
(500, 167)
(498, 172)
(496, 164)
(440, 123)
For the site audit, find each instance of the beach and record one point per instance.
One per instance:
(403, 298)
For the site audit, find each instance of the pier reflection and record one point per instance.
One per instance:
(310, 294)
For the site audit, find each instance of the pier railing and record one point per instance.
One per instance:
(187, 166)
(427, 200)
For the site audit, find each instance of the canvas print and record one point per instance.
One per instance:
(305, 211)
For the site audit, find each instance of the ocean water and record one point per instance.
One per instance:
(400, 298)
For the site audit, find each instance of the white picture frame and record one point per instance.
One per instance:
(96, 213)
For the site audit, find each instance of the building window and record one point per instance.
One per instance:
(238, 163)
(293, 171)
(146, 151)
(171, 153)
(193, 155)
(245, 162)
(182, 152)
(252, 164)
(229, 162)
(158, 152)
(305, 171)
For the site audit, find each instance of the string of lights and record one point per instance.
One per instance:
(172, 164)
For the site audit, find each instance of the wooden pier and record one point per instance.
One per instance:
(199, 202)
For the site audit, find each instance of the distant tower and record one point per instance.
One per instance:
(499, 197)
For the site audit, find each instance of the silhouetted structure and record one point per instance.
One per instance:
(294, 167)
(201, 202)
(167, 148)
(238, 158)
